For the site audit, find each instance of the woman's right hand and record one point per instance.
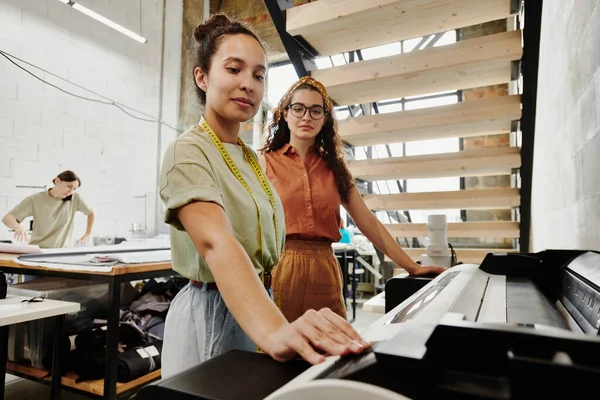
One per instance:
(323, 330)
(21, 235)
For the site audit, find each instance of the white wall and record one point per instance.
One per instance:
(44, 131)
(566, 175)
(172, 60)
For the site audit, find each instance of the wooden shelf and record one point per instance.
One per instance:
(469, 199)
(475, 162)
(337, 26)
(478, 229)
(468, 118)
(69, 380)
(466, 256)
(465, 64)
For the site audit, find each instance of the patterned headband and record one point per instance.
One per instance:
(305, 80)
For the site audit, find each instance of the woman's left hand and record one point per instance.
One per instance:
(84, 239)
(426, 270)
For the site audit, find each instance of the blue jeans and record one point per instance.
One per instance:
(198, 327)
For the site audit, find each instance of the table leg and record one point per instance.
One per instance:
(344, 266)
(3, 358)
(354, 285)
(112, 340)
(56, 362)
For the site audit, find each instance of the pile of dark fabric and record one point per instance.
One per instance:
(141, 329)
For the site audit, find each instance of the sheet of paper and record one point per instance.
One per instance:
(65, 267)
(100, 259)
(152, 351)
(143, 257)
(143, 353)
(24, 248)
(104, 248)
(20, 248)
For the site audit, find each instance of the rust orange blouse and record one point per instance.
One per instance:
(309, 194)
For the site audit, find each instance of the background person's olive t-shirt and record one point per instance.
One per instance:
(52, 218)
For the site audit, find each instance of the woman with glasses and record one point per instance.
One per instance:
(303, 159)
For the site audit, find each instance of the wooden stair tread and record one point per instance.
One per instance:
(466, 256)
(468, 118)
(469, 63)
(337, 26)
(475, 229)
(470, 199)
(474, 162)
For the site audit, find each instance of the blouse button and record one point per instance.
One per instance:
(309, 207)
(311, 227)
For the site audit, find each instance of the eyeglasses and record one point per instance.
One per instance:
(298, 110)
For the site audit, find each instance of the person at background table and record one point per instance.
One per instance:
(303, 159)
(53, 213)
(226, 222)
(346, 234)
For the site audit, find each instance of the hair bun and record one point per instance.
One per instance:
(214, 22)
(218, 20)
(200, 33)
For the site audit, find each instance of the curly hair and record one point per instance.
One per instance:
(328, 142)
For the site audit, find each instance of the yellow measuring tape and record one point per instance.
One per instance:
(262, 179)
(257, 171)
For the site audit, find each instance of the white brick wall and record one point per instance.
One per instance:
(566, 176)
(4, 166)
(6, 127)
(44, 131)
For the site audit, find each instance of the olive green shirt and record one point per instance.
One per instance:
(52, 218)
(194, 170)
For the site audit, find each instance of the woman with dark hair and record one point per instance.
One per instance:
(303, 159)
(226, 220)
(53, 213)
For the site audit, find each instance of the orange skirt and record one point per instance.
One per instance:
(308, 276)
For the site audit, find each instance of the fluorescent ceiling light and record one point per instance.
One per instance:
(104, 20)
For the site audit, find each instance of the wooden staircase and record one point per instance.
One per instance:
(337, 26)
(466, 64)
(465, 119)
(330, 27)
(476, 162)
(472, 199)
